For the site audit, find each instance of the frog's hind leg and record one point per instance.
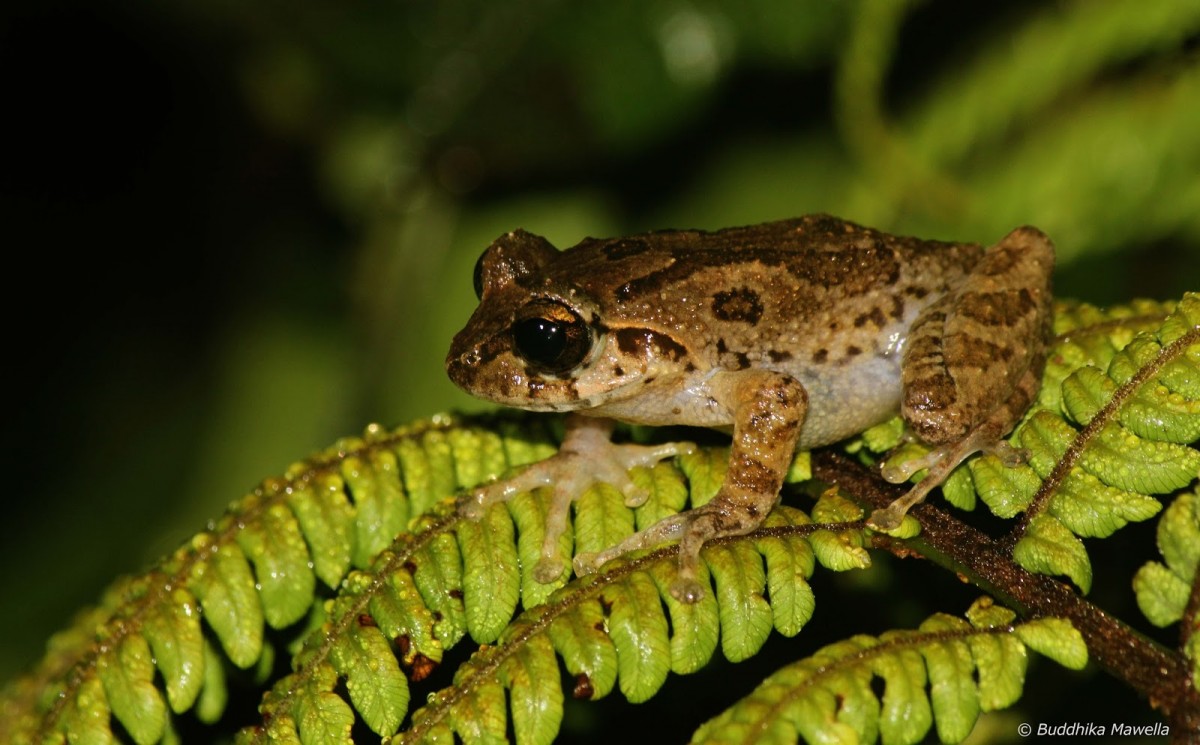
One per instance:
(942, 460)
(973, 362)
(767, 410)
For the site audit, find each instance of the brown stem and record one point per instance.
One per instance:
(1162, 675)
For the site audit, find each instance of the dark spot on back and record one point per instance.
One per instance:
(820, 356)
(618, 371)
(622, 248)
(881, 260)
(741, 305)
(853, 351)
(779, 356)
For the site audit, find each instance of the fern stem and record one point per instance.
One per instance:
(1107, 414)
(1161, 675)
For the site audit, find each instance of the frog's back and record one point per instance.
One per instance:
(823, 300)
(774, 277)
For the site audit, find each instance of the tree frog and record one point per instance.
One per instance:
(790, 334)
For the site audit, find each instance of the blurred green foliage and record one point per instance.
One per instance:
(251, 226)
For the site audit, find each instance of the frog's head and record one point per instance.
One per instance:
(537, 340)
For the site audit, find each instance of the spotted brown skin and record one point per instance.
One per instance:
(793, 334)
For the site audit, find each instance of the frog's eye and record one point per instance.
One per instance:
(551, 337)
(478, 276)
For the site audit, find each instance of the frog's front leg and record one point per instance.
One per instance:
(586, 457)
(974, 362)
(767, 409)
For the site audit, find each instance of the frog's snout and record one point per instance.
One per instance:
(462, 367)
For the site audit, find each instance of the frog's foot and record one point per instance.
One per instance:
(586, 457)
(940, 462)
(692, 528)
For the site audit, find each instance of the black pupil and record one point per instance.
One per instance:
(550, 337)
(540, 340)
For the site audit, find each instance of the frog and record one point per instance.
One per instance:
(788, 335)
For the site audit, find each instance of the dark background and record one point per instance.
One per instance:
(235, 232)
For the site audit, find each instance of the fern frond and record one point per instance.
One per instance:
(446, 578)
(945, 673)
(622, 628)
(1126, 434)
(258, 567)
